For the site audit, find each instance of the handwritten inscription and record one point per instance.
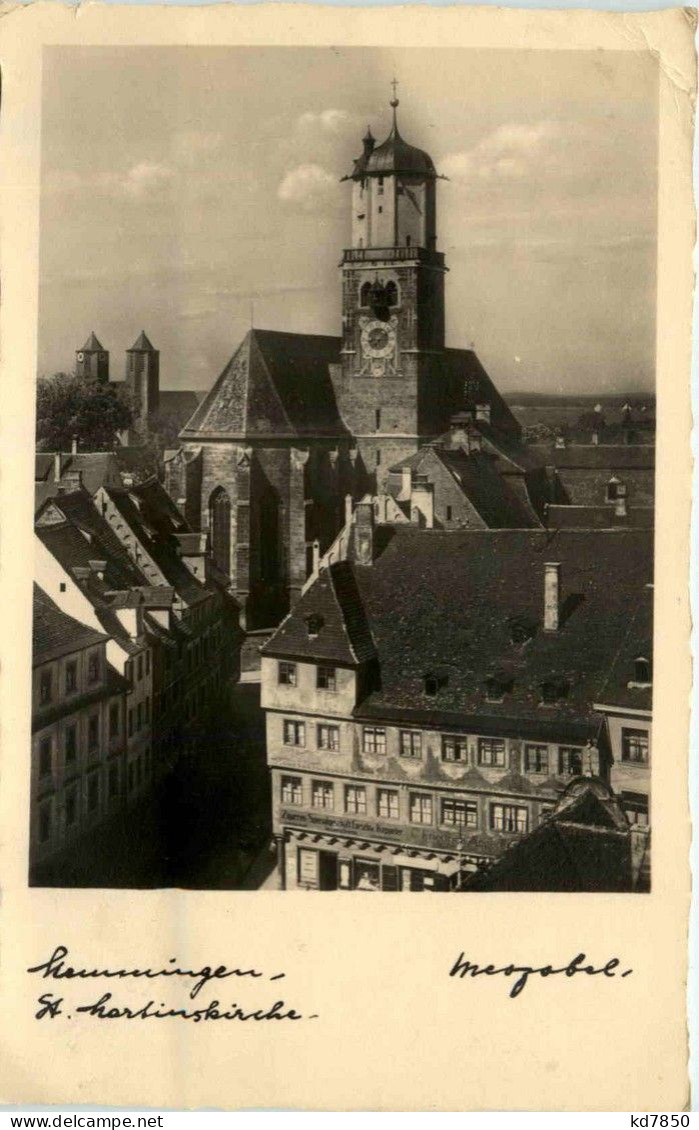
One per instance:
(462, 968)
(104, 1006)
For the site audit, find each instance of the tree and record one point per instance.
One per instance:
(94, 411)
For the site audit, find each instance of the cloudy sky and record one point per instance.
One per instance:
(184, 188)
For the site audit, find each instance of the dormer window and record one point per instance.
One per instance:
(494, 689)
(553, 690)
(314, 623)
(434, 681)
(615, 489)
(642, 675)
(521, 630)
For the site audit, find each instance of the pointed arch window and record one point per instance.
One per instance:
(365, 294)
(220, 527)
(391, 292)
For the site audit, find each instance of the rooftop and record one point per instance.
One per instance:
(55, 634)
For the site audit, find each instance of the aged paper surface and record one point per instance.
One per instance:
(384, 1025)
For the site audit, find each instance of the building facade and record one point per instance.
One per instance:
(78, 731)
(411, 738)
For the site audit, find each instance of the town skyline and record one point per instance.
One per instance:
(162, 214)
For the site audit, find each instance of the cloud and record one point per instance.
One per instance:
(188, 146)
(508, 153)
(328, 121)
(144, 177)
(307, 186)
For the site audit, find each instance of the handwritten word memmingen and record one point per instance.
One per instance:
(57, 969)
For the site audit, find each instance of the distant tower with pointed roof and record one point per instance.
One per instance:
(92, 360)
(143, 380)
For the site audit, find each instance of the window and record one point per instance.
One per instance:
(380, 186)
(292, 790)
(642, 671)
(93, 792)
(387, 804)
(460, 813)
(536, 759)
(355, 799)
(545, 811)
(328, 737)
(71, 808)
(374, 740)
(552, 690)
(378, 457)
(491, 751)
(130, 722)
(454, 747)
(62, 586)
(365, 294)
(139, 716)
(113, 781)
(309, 867)
(71, 743)
(615, 489)
(508, 818)
(377, 418)
(93, 667)
(325, 679)
(45, 823)
(410, 743)
(45, 687)
(634, 745)
(146, 707)
(380, 205)
(322, 794)
(139, 669)
(45, 758)
(71, 677)
(287, 674)
(449, 513)
(114, 719)
(93, 732)
(420, 808)
(570, 761)
(294, 732)
(494, 690)
(147, 663)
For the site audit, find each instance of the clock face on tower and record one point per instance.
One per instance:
(378, 339)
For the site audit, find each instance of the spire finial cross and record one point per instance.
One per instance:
(394, 100)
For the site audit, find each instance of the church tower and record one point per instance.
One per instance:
(143, 380)
(392, 304)
(92, 361)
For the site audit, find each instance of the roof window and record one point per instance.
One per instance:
(434, 681)
(642, 672)
(553, 690)
(314, 622)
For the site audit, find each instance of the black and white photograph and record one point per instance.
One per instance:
(344, 474)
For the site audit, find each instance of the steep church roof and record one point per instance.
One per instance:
(274, 384)
(142, 345)
(93, 344)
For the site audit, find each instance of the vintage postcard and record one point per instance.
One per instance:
(349, 352)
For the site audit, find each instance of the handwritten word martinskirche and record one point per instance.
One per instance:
(462, 967)
(57, 969)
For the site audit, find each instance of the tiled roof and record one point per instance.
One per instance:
(584, 846)
(637, 643)
(598, 457)
(98, 468)
(493, 497)
(275, 383)
(599, 517)
(340, 632)
(465, 369)
(54, 633)
(158, 509)
(443, 600)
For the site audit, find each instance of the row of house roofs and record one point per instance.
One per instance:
(116, 561)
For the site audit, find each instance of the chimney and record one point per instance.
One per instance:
(348, 509)
(457, 429)
(422, 499)
(552, 595)
(560, 441)
(57, 467)
(316, 555)
(620, 508)
(74, 446)
(406, 482)
(364, 533)
(483, 413)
